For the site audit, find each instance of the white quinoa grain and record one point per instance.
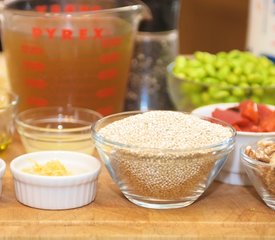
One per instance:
(166, 130)
(167, 172)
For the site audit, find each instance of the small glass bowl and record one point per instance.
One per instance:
(8, 104)
(161, 178)
(261, 175)
(57, 128)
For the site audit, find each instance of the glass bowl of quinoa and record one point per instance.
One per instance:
(162, 159)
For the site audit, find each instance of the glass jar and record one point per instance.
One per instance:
(156, 45)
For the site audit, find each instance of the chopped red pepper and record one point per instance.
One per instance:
(237, 128)
(264, 111)
(229, 116)
(249, 109)
(267, 118)
(248, 116)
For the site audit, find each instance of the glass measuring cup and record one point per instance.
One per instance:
(70, 52)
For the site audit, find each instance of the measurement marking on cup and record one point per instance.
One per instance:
(56, 8)
(37, 102)
(31, 50)
(109, 58)
(32, 65)
(69, 8)
(105, 92)
(105, 110)
(111, 42)
(36, 83)
(84, 8)
(41, 8)
(96, 7)
(107, 74)
(98, 33)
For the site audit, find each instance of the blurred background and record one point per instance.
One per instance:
(204, 25)
(213, 25)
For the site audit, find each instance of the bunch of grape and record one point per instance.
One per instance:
(231, 76)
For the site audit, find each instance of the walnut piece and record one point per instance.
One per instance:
(265, 152)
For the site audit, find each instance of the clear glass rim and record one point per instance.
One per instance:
(224, 144)
(55, 110)
(135, 5)
(13, 98)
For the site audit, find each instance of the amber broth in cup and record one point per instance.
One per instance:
(81, 62)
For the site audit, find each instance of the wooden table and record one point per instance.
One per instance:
(223, 212)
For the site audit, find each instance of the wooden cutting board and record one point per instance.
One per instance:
(223, 212)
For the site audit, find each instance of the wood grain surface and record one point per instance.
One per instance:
(223, 212)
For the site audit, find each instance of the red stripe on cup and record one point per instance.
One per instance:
(36, 83)
(31, 49)
(107, 74)
(109, 58)
(96, 7)
(55, 8)
(32, 65)
(106, 92)
(105, 110)
(41, 8)
(69, 8)
(37, 102)
(84, 8)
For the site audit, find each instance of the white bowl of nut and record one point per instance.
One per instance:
(55, 179)
(258, 159)
(163, 159)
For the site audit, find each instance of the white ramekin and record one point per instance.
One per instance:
(56, 192)
(2, 172)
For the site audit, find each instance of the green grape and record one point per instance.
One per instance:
(230, 76)
(238, 92)
(232, 99)
(223, 72)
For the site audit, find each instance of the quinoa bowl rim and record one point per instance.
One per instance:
(103, 140)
